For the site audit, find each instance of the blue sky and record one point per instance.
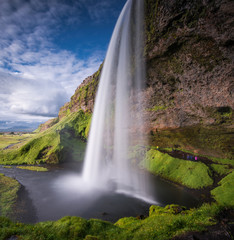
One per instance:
(47, 48)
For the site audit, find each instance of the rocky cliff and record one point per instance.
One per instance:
(190, 63)
(188, 95)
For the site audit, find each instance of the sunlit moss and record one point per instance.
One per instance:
(33, 168)
(161, 225)
(224, 194)
(191, 174)
(220, 169)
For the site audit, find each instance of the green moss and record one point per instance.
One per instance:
(220, 169)
(151, 11)
(223, 161)
(165, 223)
(157, 108)
(81, 122)
(191, 174)
(65, 228)
(221, 115)
(224, 194)
(169, 209)
(33, 168)
(88, 127)
(83, 94)
(8, 194)
(68, 112)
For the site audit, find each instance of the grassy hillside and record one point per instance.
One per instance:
(64, 141)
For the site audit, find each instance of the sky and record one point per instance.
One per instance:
(47, 48)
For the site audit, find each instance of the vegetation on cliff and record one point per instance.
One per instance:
(62, 142)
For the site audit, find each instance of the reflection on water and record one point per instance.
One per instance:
(60, 192)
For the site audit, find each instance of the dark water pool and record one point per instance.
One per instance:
(43, 198)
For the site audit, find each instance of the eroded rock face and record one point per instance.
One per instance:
(190, 63)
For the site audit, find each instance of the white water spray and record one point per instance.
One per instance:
(116, 123)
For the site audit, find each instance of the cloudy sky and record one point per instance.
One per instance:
(47, 48)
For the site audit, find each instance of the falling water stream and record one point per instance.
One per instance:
(116, 121)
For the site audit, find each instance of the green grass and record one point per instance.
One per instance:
(220, 169)
(8, 194)
(6, 140)
(61, 142)
(190, 174)
(33, 168)
(162, 224)
(165, 223)
(223, 161)
(224, 194)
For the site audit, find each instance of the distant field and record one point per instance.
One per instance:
(17, 140)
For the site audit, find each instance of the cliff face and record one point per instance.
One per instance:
(190, 62)
(189, 86)
(84, 96)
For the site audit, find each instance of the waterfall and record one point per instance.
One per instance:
(117, 123)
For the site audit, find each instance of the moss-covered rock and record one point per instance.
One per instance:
(190, 174)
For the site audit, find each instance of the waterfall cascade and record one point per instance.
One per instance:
(117, 122)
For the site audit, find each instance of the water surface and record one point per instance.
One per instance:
(58, 193)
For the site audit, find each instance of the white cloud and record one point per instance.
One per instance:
(25, 99)
(36, 77)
